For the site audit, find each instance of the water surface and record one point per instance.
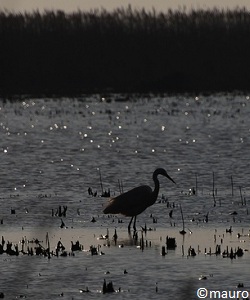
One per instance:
(53, 150)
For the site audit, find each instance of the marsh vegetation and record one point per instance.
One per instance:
(125, 50)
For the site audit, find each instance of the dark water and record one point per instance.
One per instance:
(53, 150)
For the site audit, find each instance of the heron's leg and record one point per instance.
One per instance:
(134, 224)
(129, 225)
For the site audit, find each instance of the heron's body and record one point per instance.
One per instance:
(128, 204)
(135, 201)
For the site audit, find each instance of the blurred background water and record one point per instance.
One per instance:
(53, 150)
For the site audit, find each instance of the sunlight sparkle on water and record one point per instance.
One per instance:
(221, 145)
(26, 105)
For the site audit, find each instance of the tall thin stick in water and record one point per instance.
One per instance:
(48, 244)
(183, 224)
(120, 186)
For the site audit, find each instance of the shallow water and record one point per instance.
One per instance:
(53, 150)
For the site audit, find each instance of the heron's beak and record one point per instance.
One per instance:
(170, 179)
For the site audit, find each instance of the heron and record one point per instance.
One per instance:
(135, 201)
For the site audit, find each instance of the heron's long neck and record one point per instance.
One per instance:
(157, 187)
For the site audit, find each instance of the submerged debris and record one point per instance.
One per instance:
(76, 247)
(107, 288)
(163, 251)
(171, 243)
(191, 251)
(84, 291)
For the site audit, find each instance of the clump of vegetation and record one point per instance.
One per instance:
(125, 50)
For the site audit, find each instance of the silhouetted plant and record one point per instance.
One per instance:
(124, 50)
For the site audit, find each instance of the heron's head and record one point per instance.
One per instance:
(163, 172)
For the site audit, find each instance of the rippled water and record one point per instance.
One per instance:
(53, 150)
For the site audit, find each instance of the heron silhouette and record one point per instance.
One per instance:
(135, 201)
